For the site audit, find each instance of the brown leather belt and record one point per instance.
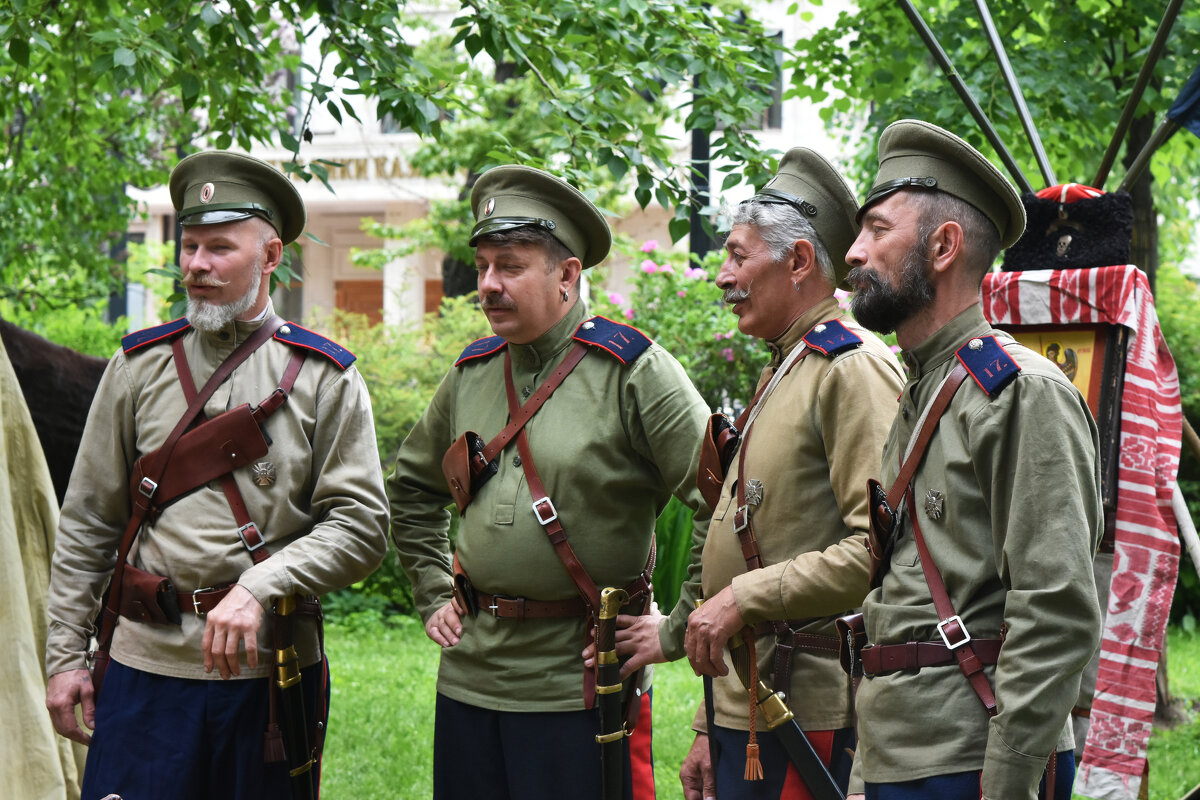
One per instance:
(802, 641)
(202, 601)
(884, 659)
(523, 608)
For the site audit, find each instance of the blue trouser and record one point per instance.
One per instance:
(780, 780)
(159, 737)
(965, 785)
(484, 754)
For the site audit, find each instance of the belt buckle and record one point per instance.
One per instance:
(537, 510)
(250, 526)
(941, 629)
(147, 488)
(494, 607)
(196, 599)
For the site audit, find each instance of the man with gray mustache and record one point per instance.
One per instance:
(785, 552)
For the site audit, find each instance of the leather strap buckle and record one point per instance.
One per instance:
(147, 488)
(518, 602)
(741, 518)
(546, 503)
(944, 624)
(249, 532)
(196, 600)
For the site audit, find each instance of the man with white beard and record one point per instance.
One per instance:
(227, 475)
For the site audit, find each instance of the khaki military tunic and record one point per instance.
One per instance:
(611, 445)
(813, 445)
(323, 518)
(1020, 517)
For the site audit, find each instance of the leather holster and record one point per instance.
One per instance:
(146, 597)
(465, 470)
(716, 451)
(852, 638)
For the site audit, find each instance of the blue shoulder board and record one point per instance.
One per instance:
(832, 337)
(624, 342)
(989, 363)
(159, 333)
(296, 336)
(482, 348)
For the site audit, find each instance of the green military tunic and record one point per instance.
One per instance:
(814, 444)
(1018, 476)
(323, 519)
(611, 445)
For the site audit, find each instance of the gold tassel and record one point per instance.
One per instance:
(754, 770)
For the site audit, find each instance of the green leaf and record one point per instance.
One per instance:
(124, 57)
(679, 228)
(209, 15)
(18, 50)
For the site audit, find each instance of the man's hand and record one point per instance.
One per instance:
(637, 641)
(445, 626)
(236, 619)
(708, 630)
(696, 773)
(64, 691)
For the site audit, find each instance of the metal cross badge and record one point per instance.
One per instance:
(754, 492)
(933, 504)
(263, 473)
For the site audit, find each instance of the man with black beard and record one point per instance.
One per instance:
(984, 612)
(239, 522)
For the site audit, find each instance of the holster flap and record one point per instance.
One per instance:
(146, 597)
(465, 470)
(852, 638)
(716, 451)
(205, 453)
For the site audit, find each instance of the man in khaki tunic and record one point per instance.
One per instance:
(812, 440)
(987, 612)
(618, 436)
(182, 713)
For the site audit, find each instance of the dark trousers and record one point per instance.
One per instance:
(965, 785)
(159, 737)
(780, 780)
(483, 754)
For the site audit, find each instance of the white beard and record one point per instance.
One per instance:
(212, 317)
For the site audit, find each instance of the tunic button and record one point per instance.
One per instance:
(525, 392)
(516, 461)
(819, 329)
(975, 344)
(285, 330)
(904, 412)
(587, 326)
(224, 336)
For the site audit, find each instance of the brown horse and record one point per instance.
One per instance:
(58, 384)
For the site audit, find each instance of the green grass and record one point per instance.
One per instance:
(380, 743)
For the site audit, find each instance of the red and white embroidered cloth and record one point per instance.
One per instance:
(1147, 544)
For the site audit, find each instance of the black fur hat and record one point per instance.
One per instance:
(1066, 233)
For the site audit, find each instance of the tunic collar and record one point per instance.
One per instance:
(549, 345)
(941, 346)
(786, 342)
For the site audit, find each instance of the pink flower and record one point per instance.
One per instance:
(718, 336)
(629, 313)
(695, 273)
(649, 246)
(616, 299)
(649, 267)
(840, 294)
(895, 348)
(666, 268)
(728, 353)
(681, 293)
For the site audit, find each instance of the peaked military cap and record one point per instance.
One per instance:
(218, 186)
(514, 196)
(812, 186)
(917, 155)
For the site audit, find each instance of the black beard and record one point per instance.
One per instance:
(879, 307)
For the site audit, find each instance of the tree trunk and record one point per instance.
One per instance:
(1144, 249)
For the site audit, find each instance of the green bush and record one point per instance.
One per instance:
(83, 327)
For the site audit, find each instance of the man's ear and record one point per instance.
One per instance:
(569, 272)
(945, 245)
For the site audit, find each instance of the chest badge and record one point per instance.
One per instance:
(933, 504)
(754, 492)
(263, 473)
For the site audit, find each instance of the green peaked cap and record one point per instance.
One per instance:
(917, 155)
(812, 186)
(218, 186)
(514, 196)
